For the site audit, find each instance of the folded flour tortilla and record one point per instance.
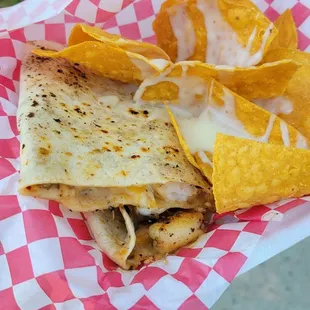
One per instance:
(114, 233)
(88, 145)
(129, 243)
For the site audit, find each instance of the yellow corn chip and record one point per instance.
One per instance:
(265, 81)
(298, 92)
(222, 32)
(248, 173)
(204, 161)
(287, 32)
(286, 53)
(294, 105)
(201, 108)
(82, 32)
(185, 16)
(106, 59)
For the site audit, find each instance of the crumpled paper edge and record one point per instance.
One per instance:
(29, 12)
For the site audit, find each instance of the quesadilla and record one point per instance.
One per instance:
(88, 145)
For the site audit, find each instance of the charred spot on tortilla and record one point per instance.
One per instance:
(35, 103)
(31, 114)
(117, 148)
(44, 151)
(170, 150)
(106, 149)
(78, 110)
(132, 111)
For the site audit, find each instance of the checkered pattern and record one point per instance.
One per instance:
(30, 11)
(48, 259)
(271, 212)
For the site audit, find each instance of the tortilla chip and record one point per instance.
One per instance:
(185, 148)
(239, 33)
(265, 81)
(205, 165)
(245, 119)
(192, 26)
(107, 60)
(298, 94)
(287, 32)
(286, 53)
(82, 32)
(248, 173)
(245, 18)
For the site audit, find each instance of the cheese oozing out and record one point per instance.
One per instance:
(184, 32)
(200, 132)
(200, 122)
(276, 105)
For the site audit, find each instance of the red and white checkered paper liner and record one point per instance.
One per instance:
(48, 259)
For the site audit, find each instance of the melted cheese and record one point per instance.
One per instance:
(189, 86)
(145, 68)
(285, 133)
(277, 105)
(301, 142)
(204, 158)
(223, 47)
(200, 132)
(184, 32)
(199, 124)
(159, 63)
